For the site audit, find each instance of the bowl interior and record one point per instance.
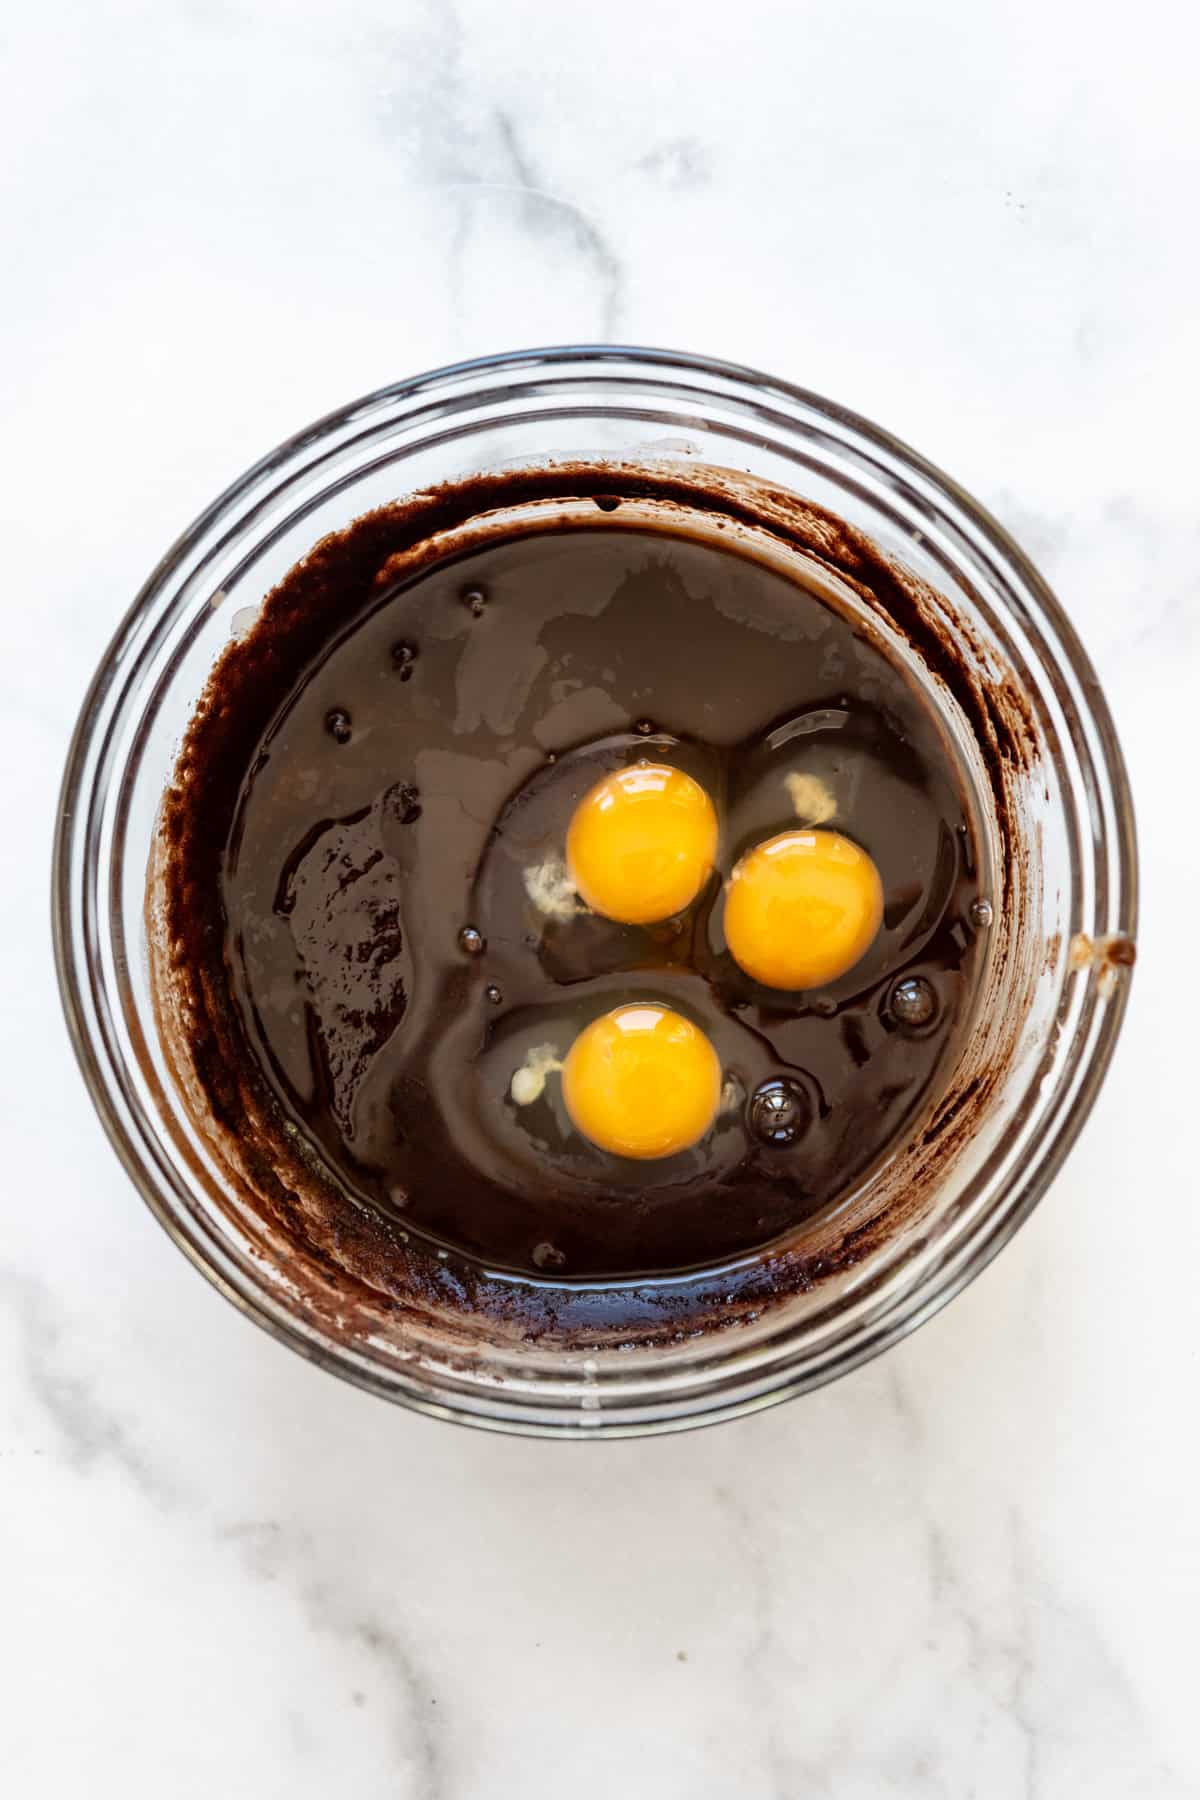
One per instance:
(1057, 819)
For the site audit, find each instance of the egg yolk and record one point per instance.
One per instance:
(642, 843)
(802, 908)
(642, 1081)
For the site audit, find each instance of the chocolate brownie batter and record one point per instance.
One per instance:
(365, 902)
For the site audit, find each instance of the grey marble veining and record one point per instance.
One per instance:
(971, 1569)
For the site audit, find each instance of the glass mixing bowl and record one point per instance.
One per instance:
(1058, 960)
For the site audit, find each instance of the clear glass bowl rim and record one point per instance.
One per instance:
(1090, 1052)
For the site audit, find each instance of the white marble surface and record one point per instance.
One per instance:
(974, 1567)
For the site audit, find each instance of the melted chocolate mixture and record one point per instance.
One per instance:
(377, 852)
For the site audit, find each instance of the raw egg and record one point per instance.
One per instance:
(642, 843)
(642, 1081)
(802, 908)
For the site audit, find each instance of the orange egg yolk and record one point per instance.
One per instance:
(802, 908)
(642, 1081)
(642, 843)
